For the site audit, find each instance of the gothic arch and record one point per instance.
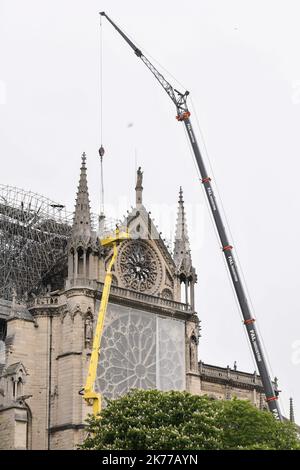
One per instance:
(193, 351)
(88, 329)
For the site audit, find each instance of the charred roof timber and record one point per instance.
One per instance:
(33, 237)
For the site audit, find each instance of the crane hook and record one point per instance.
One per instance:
(101, 151)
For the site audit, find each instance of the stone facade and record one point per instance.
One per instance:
(48, 341)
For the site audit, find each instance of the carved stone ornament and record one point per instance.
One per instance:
(63, 312)
(193, 353)
(167, 294)
(139, 266)
(89, 312)
(88, 331)
(74, 311)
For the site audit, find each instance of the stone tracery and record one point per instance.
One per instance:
(139, 266)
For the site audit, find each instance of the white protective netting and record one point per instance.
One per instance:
(140, 350)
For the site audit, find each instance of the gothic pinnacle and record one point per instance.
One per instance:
(292, 416)
(82, 216)
(180, 196)
(182, 252)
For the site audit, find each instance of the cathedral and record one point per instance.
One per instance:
(150, 340)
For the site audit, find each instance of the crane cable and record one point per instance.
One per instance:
(222, 257)
(237, 257)
(145, 52)
(219, 197)
(223, 260)
(101, 149)
(224, 213)
(232, 238)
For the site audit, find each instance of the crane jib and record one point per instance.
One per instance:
(184, 116)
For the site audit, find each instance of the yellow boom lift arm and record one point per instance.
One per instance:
(92, 397)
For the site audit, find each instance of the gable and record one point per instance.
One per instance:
(141, 226)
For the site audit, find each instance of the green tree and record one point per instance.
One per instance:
(246, 427)
(155, 420)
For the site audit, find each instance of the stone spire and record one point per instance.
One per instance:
(82, 217)
(83, 253)
(182, 251)
(185, 272)
(292, 416)
(139, 188)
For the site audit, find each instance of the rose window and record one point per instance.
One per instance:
(139, 266)
(140, 350)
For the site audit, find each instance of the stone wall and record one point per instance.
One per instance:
(58, 331)
(13, 428)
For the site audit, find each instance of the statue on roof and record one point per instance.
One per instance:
(139, 187)
(139, 180)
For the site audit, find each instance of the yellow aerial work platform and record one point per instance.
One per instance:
(93, 398)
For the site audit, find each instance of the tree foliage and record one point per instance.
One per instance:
(155, 420)
(245, 427)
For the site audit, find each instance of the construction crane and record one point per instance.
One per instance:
(89, 394)
(183, 115)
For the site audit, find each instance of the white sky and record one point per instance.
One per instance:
(240, 60)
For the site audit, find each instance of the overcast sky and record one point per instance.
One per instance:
(240, 60)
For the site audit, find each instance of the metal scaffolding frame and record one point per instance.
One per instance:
(34, 232)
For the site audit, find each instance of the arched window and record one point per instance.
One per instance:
(80, 254)
(3, 332)
(19, 387)
(17, 378)
(2, 352)
(88, 262)
(193, 352)
(13, 388)
(3, 329)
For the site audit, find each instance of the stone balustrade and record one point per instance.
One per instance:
(132, 295)
(227, 373)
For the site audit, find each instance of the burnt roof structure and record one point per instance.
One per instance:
(34, 232)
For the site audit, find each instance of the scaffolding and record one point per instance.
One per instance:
(34, 232)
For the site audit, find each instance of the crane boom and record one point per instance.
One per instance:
(89, 394)
(183, 114)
